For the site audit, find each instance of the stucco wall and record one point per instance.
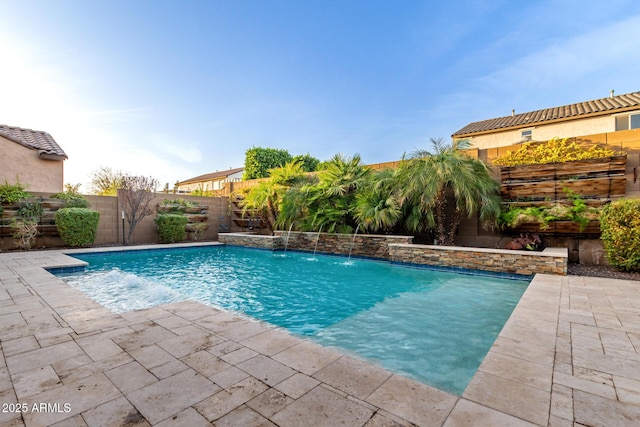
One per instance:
(146, 231)
(25, 164)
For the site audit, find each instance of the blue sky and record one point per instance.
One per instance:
(175, 89)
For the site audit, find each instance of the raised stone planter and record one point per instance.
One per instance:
(251, 240)
(364, 245)
(400, 249)
(549, 261)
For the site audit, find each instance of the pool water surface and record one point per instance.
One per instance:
(435, 327)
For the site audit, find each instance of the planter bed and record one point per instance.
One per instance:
(595, 178)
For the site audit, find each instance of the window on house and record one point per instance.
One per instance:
(631, 121)
(527, 135)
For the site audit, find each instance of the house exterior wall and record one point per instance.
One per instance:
(215, 184)
(543, 132)
(24, 163)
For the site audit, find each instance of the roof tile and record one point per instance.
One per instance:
(38, 140)
(566, 112)
(210, 176)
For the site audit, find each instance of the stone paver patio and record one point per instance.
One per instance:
(568, 356)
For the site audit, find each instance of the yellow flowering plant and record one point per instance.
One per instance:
(556, 150)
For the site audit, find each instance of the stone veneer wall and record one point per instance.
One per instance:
(364, 245)
(251, 240)
(400, 249)
(550, 261)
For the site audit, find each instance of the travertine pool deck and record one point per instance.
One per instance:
(568, 356)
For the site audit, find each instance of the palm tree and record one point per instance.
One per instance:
(378, 207)
(439, 188)
(331, 202)
(267, 196)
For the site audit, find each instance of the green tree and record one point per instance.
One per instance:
(330, 204)
(259, 161)
(105, 181)
(438, 188)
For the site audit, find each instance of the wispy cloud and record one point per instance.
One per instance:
(583, 67)
(606, 49)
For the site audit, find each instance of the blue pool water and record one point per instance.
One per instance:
(435, 327)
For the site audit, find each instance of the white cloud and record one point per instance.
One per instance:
(607, 48)
(180, 150)
(584, 67)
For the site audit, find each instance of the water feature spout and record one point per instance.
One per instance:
(286, 244)
(353, 240)
(315, 248)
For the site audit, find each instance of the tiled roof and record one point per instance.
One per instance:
(38, 140)
(597, 107)
(212, 176)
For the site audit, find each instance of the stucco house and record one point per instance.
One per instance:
(33, 157)
(599, 116)
(214, 181)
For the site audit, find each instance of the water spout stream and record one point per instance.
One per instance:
(286, 244)
(315, 248)
(353, 240)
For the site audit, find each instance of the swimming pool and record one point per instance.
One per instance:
(435, 327)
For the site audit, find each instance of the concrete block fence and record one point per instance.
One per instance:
(110, 227)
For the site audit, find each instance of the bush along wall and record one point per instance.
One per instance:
(171, 227)
(77, 226)
(620, 226)
(196, 217)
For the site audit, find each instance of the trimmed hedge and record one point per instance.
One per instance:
(77, 226)
(259, 160)
(620, 226)
(171, 227)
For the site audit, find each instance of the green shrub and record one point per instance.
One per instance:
(308, 162)
(11, 193)
(72, 199)
(171, 227)
(31, 210)
(620, 226)
(77, 226)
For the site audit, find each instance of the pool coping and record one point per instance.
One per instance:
(527, 378)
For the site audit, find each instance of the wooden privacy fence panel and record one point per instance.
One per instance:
(595, 178)
(599, 187)
(610, 166)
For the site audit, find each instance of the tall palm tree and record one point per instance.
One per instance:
(440, 187)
